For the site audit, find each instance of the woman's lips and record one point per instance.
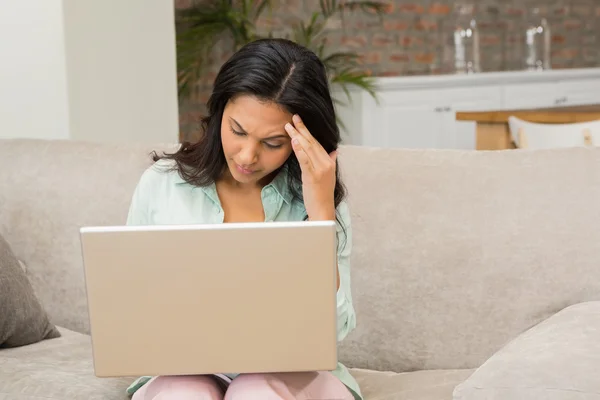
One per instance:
(243, 170)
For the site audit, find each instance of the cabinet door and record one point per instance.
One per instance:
(404, 118)
(461, 134)
(530, 95)
(350, 115)
(401, 118)
(578, 92)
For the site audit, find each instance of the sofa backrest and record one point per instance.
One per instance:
(48, 190)
(454, 252)
(457, 252)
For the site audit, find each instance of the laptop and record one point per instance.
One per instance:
(210, 299)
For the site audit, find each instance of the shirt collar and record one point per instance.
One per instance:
(281, 184)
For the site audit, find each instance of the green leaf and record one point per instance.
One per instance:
(328, 7)
(261, 7)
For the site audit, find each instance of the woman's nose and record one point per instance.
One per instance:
(248, 154)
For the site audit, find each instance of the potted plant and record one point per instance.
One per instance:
(207, 26)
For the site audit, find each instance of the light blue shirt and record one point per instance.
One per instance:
(162, 197)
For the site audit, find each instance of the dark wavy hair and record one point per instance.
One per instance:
(272, 70)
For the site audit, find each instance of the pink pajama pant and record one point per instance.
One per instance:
(276, 386)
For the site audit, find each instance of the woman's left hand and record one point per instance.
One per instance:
(318, 172)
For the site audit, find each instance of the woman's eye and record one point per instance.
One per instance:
(237, 133)
(273, 146)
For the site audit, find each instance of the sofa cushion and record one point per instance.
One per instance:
(555, 360)
(56, 369)
(419, 385)
(22, 318)
(456, 253)
(62, 369)
(73, 184)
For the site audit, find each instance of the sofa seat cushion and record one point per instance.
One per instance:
(419, 385)
(56, 369)
(557, 359)
(62, 369)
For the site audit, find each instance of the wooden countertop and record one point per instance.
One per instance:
(555, 115)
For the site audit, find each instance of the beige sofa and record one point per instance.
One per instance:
(476, 275)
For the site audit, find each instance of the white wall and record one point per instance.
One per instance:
(121, 67)
(33, 90)
(88, 70)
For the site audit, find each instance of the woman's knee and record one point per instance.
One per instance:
(258, 387)
(288, 386)
(180, 388)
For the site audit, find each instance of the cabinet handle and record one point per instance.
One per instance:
(438, 109)
(447, 109)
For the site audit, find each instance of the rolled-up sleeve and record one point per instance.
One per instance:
(346, 318)
(140, 201)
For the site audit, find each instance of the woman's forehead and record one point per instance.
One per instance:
(255, 115)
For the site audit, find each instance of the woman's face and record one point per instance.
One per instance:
(255, 143)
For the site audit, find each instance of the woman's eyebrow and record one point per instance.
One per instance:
(278, 136)
(238, 125)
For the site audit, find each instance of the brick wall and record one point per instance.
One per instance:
(412, 38)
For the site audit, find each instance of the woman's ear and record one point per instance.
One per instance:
(333, 155)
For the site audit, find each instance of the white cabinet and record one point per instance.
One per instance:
(563, 93)
(530, 95)
(419, 118)
(578, 92)
(461, 134)
(420, 112)
(405, 120)
(400, 119)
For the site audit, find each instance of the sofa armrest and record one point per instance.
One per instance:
(556, 359)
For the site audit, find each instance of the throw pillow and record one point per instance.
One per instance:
(22, 318)
(557, 359)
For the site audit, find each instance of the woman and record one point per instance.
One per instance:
(268, 153)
